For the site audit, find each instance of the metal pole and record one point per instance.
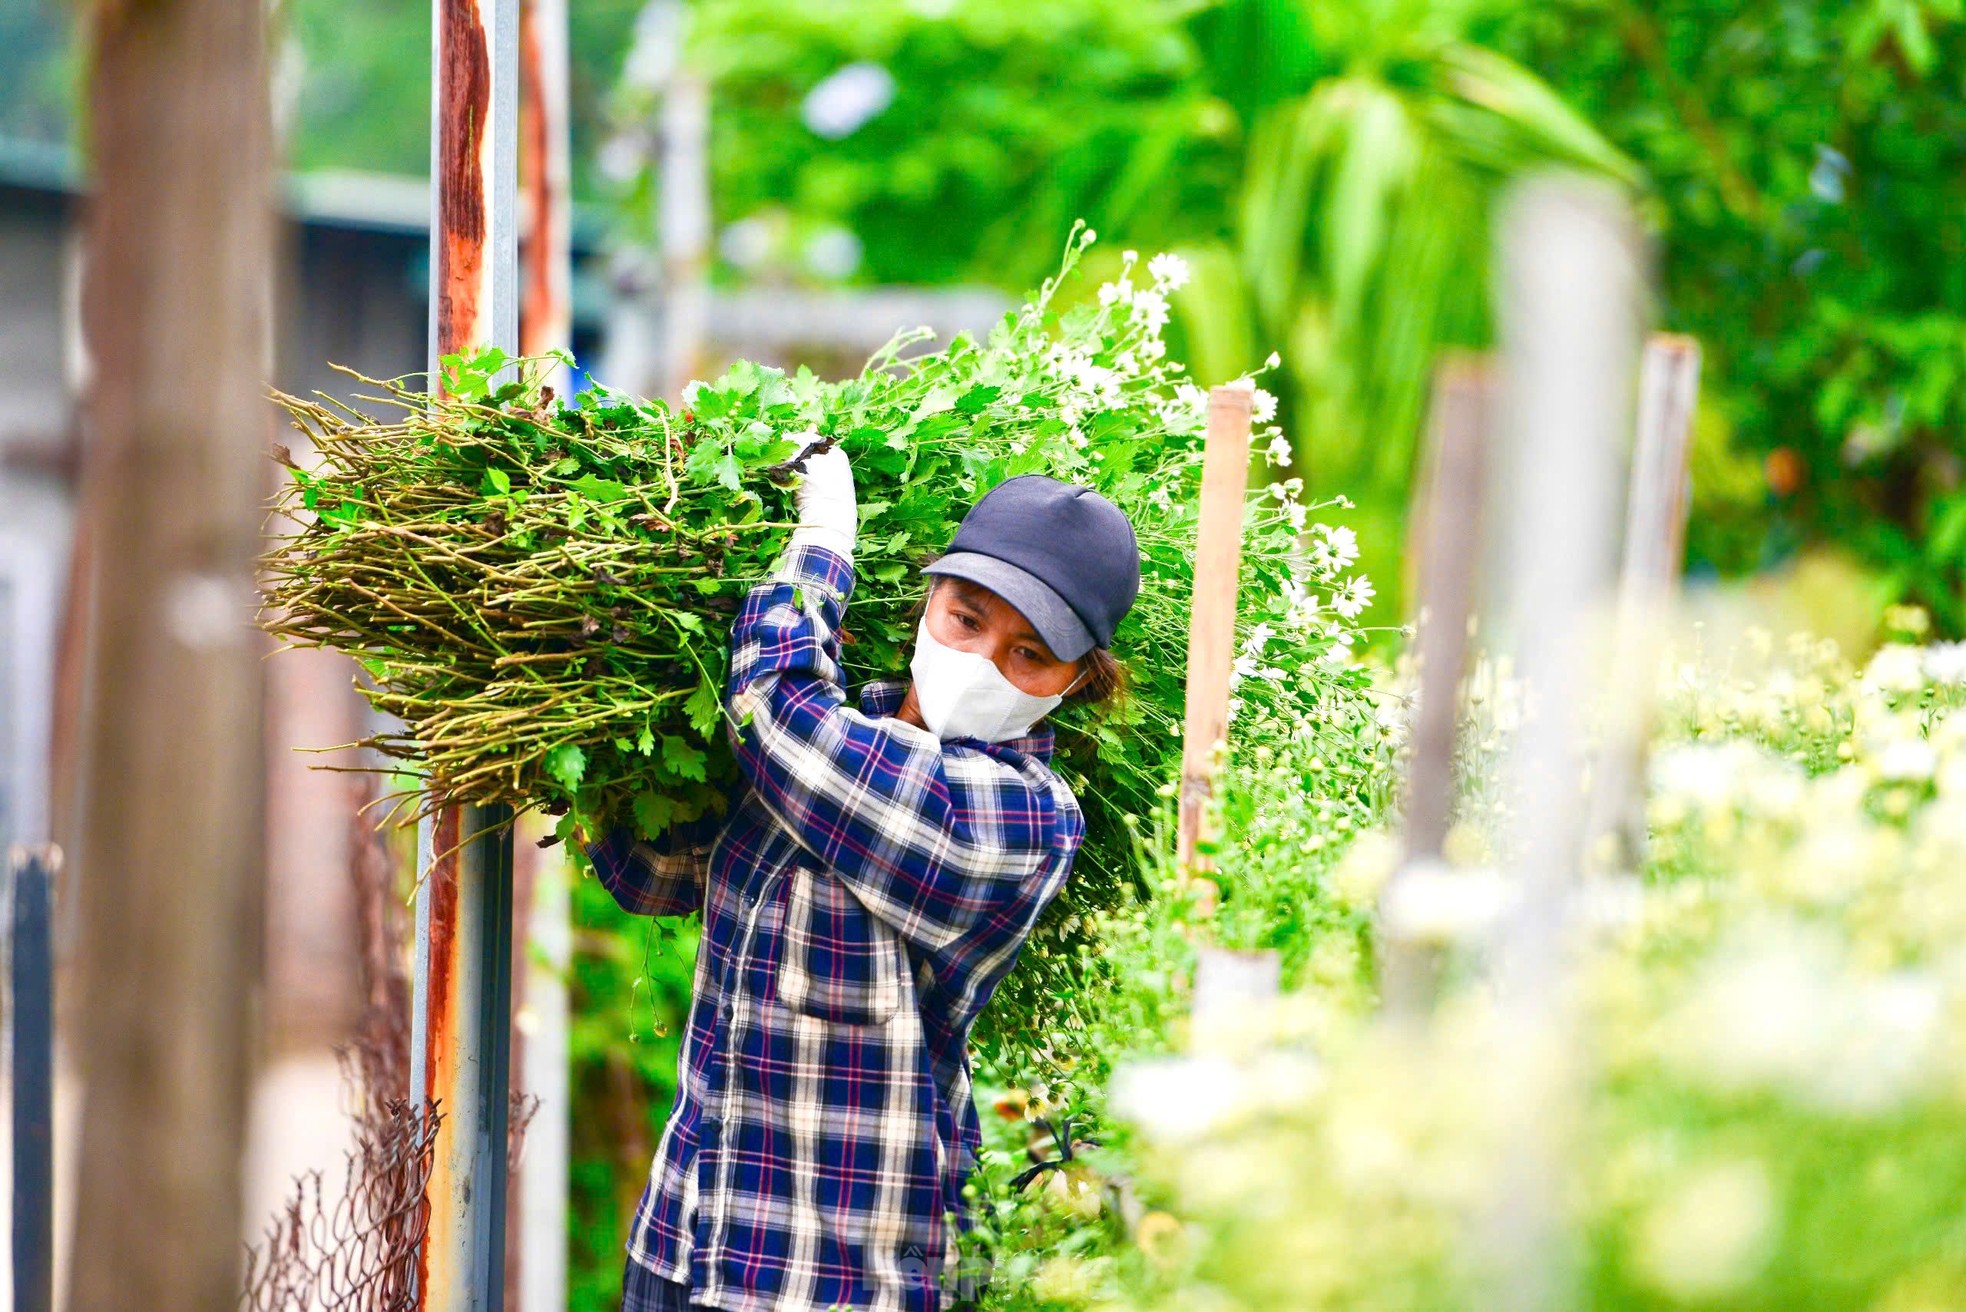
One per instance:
(32, 984)
(537, 1231)
(461, 1017)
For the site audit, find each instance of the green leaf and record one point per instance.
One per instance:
(653, 813)
(645, 742)
(600, 490)
(497, 481)
(568, 764)
(683, 759)
(730, 472)
(704, 706)
(976, 398)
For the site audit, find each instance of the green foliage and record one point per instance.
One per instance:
(1757, 1104)
(1007, 121)
(629, 999)
(1808, 163)
(541, 593)
(1329, 168)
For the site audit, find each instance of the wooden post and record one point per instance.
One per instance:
(1212, 620)
(461, 1019)
(1570, 282)
(1449, 540)
(1655, 535)
(176, 303)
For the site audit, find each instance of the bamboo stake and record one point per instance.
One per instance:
(1212, 620)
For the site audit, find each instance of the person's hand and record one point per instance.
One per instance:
(828, 514)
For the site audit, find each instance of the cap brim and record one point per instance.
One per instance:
(1056, 622)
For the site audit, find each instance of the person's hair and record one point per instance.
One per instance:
(1106, 678)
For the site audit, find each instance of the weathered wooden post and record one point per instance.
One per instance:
(170, 871)
(1449, 534)
(1212, 617)
(461, 1014)
(1570, 284)
(31, 996)
(1655, 536)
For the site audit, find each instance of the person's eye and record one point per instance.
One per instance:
(1031, 656)
(967, 621)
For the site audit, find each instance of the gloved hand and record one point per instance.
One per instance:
(828, 514)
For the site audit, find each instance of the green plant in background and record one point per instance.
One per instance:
(1768, 1069)
(1808, 162)
(1327, 168)
(628, 998)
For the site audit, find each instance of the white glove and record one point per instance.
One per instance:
(828, 514)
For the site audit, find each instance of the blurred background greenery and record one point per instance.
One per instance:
(1327, 168)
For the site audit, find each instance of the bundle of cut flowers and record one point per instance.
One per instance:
(540, 591)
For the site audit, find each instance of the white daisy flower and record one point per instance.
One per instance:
(1262, 406)
(1351, 600)
(1278, 451)
(1169, 270)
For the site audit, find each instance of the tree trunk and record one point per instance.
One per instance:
(176, 310)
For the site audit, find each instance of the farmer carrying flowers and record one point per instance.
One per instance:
(870, 886)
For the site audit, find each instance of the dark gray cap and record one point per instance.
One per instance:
(1063, 555)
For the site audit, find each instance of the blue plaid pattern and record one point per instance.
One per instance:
(644, 1291)
(862, 901)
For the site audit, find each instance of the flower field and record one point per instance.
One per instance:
(1752, 1096)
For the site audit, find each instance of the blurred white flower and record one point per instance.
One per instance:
(1897, 667)
(1779, 1005)
(1908, 760)
(1120, 292)
(748, 242)
(833, 252)
(1945, 663)
(1170, 271)
(846, 99)
(1150, 309)
(1278, 452)
(1431, 902)
(1262, 406)
(1713, 1234)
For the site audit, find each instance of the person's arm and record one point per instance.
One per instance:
(938, 845)
(659, 877)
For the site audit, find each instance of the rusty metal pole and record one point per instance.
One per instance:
(461, 1014)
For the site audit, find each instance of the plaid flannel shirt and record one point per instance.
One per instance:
(869, 889)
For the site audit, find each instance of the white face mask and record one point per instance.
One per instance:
(964, 695)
